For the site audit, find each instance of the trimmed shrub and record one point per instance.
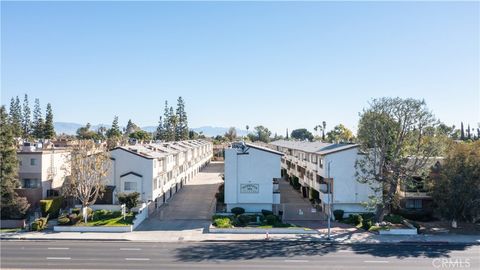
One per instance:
(267, 212)
(221, 216)
(271, 219)
(368, 216)
(366, 224)
(395, 219)
(238, 210)
(63, 220)
(129, 199)
(354, 219)
(74, 219)
(338, 214)
(244, 219)
(51, 206)
(39, 224)
(223, 222)
(76, 211)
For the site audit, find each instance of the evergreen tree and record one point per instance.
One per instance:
(166, 121)
(181, 132)
(16, 117)
(160, 134)
(38, 123)
(172, 125)
(469, 135)
(26, 121)
(49, 130)
(462, 132)
(12, 205)
(114, 131)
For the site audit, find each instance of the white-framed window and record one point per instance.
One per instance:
(130, 186)
(33, 161)
(320, 162)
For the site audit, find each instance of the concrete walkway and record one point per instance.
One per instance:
(191, 208)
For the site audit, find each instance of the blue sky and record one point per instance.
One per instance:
(283, 64)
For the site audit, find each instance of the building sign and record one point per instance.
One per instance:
(249, 188)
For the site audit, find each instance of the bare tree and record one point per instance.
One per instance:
(88, 170)
(397, 138)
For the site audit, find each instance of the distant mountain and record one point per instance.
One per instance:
(209, 131)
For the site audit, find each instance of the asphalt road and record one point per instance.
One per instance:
(233, 255)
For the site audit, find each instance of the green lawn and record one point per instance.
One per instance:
(108, 218)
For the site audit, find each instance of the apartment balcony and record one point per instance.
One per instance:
(414, 194)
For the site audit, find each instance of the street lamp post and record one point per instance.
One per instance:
(329, 190)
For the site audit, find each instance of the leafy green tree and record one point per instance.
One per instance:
(85, 133)
(455, 184)
(131, 128)
(129, 199)
(181, 131)
(38, 122)
(261, 134)
(140, 135)
(193, 135)
(340, 133)
(396, 136)
(26, 120)
(49, 131)
(302, 134)
(16, 117)
(12, 205)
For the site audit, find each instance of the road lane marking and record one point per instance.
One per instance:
(59, 258)
(346, 251)
(137, 259)
(58, 248)
(375, 261)
(130, 249)
(296, 260)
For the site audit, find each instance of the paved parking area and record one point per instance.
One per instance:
(192, 207)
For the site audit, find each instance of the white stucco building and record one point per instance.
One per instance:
(250, 172)
(156, 170)
(309, 161)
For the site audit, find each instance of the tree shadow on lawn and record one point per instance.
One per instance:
(245, 250)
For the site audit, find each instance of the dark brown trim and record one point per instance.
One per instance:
(264, 149)
(129, 151)
(134, 173)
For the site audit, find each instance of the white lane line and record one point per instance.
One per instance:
(59, 258)
(375, 261)
(130, 249)
(349, 251)
(296, 260)
(58, 248)
(137, 259)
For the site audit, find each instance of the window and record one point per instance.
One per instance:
(33, 162)
(413, 204)
(30, 183)
(130, 186)
(320, 163)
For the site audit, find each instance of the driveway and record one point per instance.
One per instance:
(192, 207)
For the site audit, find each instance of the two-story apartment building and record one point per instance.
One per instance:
(328, 169)
(250, 173)
(42, 171)
(156, 170)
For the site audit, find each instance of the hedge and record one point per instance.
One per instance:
(237, 210)
(51, 206)
(338, 213)
(39, 224)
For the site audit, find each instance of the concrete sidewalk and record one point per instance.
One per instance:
(197, 235)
